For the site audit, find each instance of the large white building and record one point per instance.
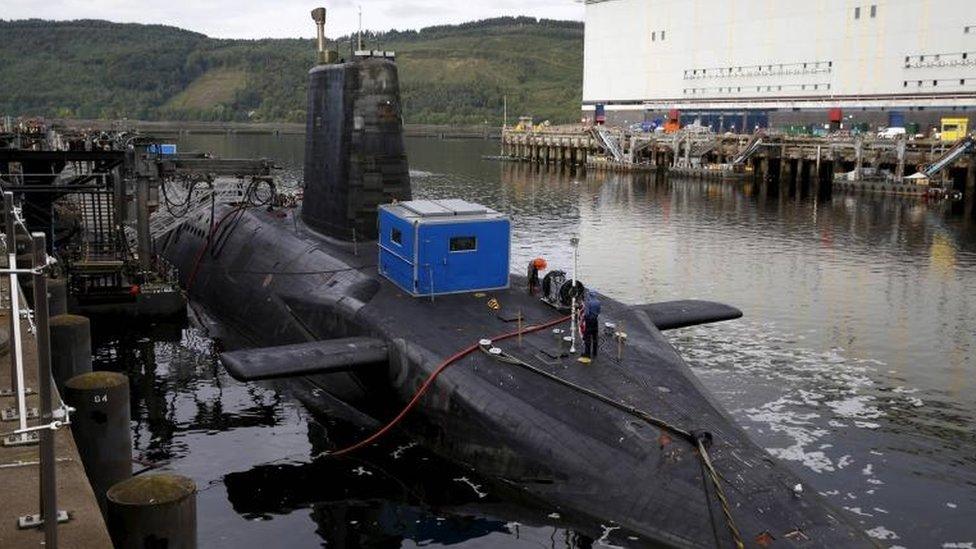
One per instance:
(780, 56)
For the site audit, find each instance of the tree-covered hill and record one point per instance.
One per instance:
(449, 74)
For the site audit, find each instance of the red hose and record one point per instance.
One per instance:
(430, 381)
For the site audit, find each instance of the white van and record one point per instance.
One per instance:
(891, 133)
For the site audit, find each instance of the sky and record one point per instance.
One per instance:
(287, 18)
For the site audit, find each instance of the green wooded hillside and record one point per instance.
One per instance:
(449, 74)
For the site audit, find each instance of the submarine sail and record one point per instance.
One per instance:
(354, 152)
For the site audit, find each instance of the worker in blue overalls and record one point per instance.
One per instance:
(590, 328)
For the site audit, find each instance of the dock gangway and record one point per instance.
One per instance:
(751, 148)
(956, 152)
(609, 143)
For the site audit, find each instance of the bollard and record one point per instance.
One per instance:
(70, 347)
(57, 301)
(101, 428)
(153, 511)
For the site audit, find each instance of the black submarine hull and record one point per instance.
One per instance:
(276, 280)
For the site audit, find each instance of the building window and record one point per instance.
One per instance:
(935, 83)
(654, 36)
(857, 13)
(464, 244)
(962, 81)
(874, 10)
(905, 84)
(396, 236)
(662, 36)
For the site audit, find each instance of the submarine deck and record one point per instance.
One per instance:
(576, 436)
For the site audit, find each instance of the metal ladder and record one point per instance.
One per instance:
(954, 153)
(609, 143)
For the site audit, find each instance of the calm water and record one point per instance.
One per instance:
(855, 363)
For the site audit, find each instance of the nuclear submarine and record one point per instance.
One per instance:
(402, 314)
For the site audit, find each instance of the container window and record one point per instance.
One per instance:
(396, 236)
(464, 243)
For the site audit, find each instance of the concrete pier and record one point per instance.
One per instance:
(798, 165)
(20, 475)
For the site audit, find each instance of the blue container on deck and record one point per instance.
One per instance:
(896, 119)
(166, 149)
(436, 247)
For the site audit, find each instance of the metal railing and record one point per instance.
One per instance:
(50, 418)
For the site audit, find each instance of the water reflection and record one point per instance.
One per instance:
(252, 451)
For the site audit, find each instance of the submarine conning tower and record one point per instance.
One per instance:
(354, 152)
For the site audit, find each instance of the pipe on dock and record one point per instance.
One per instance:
(70, 347)
(100, 425)
(161, 508)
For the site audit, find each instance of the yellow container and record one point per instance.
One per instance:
(954, 129)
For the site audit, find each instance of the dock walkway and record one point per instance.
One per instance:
(20, 470)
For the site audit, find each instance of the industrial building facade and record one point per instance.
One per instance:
(766, 61)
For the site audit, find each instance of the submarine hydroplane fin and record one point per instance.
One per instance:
(318, 357)
(670, 315)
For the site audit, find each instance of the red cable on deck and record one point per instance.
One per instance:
(430, 381)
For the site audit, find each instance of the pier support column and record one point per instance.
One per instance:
(144, 241)
(900, 167)
(971, 178)
(101, 428)
(774, 174)
(70, 347)
(825, 182)
(969, 194)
